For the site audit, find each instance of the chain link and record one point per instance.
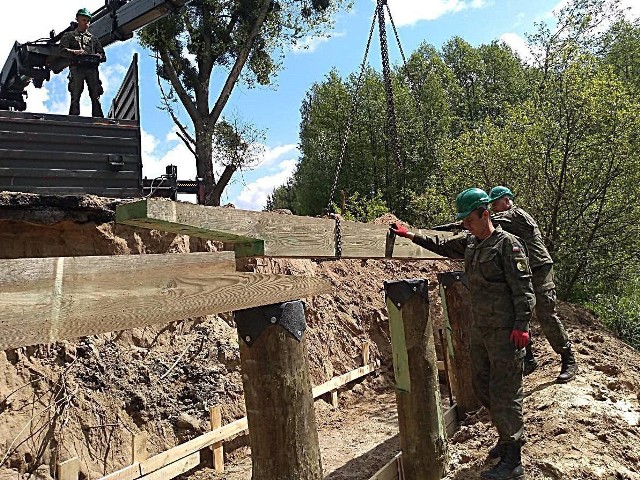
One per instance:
(337, 234)
(352, 113)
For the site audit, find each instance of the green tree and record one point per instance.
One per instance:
(213, 34)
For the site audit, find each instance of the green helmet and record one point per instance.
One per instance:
(84, 12)
(469, 200)
(499, 192)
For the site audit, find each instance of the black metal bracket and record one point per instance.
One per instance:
(449, 278)
(115, 162)
(402, 290)
(253, 321)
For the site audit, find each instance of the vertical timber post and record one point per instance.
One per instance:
(139, 447)
(215, 419)
(69, 469)
(278, 396)
(420, 416)
(458, 318)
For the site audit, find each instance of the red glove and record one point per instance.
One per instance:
(519, 338)
(399, 230)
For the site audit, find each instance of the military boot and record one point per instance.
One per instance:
(509, 468)
(530, 363)
(569, 367)
(498, 450)
(96, 108)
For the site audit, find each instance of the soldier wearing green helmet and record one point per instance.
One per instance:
(502, 300)
(517, 221)
(85, 54)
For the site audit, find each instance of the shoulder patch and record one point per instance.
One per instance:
(521, 265)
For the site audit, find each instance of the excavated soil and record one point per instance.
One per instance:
(85, 398)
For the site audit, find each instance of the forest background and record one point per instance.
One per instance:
(562, 130)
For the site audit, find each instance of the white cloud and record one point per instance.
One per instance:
(409, 12)
(254, 195)
(311, 43)
(632, 9)
(270, 155)
(518, 45)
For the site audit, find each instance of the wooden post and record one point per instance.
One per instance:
(278, 396)
(458, 318)
(215, 417)
(365, 353)
(334, 399)
(69, 469)
(139, 447)
(421, 419)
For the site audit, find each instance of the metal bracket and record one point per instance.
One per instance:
(253, 321)
(115, 162)
(402, 290)
(449, 278)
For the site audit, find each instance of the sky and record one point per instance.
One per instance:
(275, 110)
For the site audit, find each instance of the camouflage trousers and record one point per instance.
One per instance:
(496, 368)
(78, 75)
(545, 310)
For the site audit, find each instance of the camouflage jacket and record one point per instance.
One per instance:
(520, 223)
(499, 276)
(76, 40)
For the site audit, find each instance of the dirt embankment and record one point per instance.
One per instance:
(87, 397)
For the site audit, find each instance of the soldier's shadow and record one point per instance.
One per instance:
(539, 388)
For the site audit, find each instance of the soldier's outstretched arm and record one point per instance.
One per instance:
(453, 247)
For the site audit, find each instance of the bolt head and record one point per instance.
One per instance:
(399, 305)
(247, 338)
(415, 289)
(274, 319)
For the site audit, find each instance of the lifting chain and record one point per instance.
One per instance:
(352, 113)
(386, 73)
(337, 234)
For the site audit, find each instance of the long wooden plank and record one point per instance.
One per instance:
(167, 457)
(176, 468)
(51, 299)
(343, 379)
(266, 233)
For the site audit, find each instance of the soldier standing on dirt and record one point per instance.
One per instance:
(86, 54)
(518, 222)
(502, 300)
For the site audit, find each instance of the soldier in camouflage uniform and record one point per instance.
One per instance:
(85, 53)
(518, 222)
(502, 300)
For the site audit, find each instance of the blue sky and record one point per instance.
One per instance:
(275, 109)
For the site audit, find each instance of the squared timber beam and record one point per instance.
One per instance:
(255, 234)
(44, 300)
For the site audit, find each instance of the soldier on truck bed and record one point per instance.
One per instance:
(85, 53)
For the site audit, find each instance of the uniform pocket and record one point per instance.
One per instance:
(490, 266)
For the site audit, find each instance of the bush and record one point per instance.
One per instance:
(620, 313)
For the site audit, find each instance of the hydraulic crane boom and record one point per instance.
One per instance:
(34, 61)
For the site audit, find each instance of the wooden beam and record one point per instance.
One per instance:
(43, 300)
(176, 468)
(266, 233)
(343, 379)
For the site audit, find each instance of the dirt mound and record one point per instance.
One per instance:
(86, 398)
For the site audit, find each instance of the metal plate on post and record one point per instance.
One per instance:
(253, 321)
(401, 291)
(449, 278)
